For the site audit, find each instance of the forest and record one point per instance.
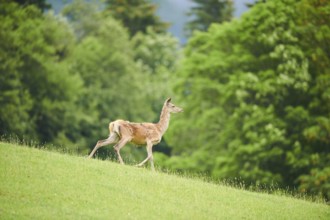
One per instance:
(255, 90)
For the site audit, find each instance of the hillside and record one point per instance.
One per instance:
(37, 184)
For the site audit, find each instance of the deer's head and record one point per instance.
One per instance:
(171, 107)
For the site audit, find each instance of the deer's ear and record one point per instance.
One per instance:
(168, 100)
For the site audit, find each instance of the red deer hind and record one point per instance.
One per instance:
(123, 132)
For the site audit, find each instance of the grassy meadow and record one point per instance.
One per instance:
(38, 184)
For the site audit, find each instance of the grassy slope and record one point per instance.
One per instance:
(36, 184)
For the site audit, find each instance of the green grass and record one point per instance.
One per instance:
(38, 184)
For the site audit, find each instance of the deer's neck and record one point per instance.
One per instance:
(164, 120)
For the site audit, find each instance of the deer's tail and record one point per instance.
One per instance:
(114, 127)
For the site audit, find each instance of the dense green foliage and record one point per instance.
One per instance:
(258, 90)
(64, 78)
(255, 90)
(37, 184)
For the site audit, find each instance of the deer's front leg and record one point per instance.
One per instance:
(149, 157)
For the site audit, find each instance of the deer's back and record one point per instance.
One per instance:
(138, 132)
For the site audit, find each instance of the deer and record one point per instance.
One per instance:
(149, 134)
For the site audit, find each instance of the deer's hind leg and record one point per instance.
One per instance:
(118, 146)
(113, 138)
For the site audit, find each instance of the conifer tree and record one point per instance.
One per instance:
(204, 13)
(41, 4)
(136, 15)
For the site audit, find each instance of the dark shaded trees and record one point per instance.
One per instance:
(38, 91)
